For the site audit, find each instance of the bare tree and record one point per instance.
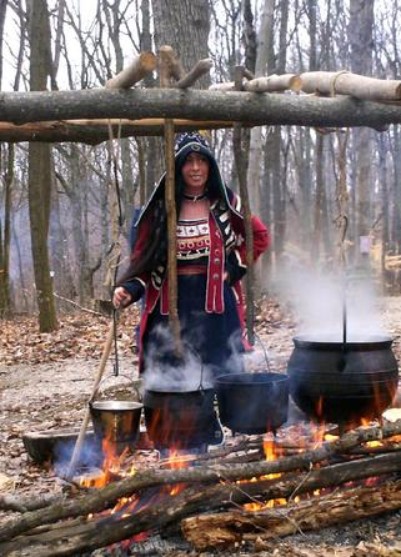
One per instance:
(40, 170)
(6, 159)
(274, 144)
(192, 19)
(361, 43)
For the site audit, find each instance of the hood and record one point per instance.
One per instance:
(185, 144)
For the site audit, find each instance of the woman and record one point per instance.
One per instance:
(210, 265)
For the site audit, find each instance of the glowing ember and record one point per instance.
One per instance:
(93, 478)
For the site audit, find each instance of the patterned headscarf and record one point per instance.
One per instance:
(194, 138)
(185, 144)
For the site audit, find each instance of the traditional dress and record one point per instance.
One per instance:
(210, 251)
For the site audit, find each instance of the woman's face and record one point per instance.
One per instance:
(195, 171)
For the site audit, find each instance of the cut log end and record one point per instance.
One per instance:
(141, 66)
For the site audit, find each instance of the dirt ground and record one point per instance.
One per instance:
(45, 383)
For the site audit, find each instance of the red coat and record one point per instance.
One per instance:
(261, 242)
(223, 248)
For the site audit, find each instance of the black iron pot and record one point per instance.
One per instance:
(342, 383)
(180, 420)
(252, 403)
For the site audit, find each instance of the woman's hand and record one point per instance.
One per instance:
(121, 298)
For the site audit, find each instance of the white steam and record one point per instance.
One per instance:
(331, 307)
(166, 373)
(188, 374)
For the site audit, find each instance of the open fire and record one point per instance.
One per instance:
(296, 441)
(304, 462)
(306, 469)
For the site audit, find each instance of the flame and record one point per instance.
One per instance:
(272, 452)
(320, 434)
(177, 460)
(112, 465)
(95, 480)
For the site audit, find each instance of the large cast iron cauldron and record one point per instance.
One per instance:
(342, 382)
(252, 403)
(180, 420)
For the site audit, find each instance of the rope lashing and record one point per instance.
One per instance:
(334, 81)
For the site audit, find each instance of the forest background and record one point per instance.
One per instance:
(60, 215)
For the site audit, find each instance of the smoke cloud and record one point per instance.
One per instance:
(329, 306)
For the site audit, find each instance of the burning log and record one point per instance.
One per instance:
(163, 509)
(237, 526)
(10, 502)
(104, 498)
(168, 510)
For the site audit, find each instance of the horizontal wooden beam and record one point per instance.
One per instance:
(254, 109)
(94, 132)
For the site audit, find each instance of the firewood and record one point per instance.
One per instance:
(224, 529)
(22, 504)
(139, 68)
(271, 83)
(201, 68)
(104, 498)
(169, 65)
(347, 83)
(274, 83)
(74, 537)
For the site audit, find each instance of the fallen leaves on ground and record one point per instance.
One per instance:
(83, 334)
(78, 335)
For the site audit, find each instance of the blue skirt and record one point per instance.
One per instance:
(215, 340)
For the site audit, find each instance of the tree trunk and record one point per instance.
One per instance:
(279, 213)
(361, 39)
(40, 174)
(192, 19)
(63, 282)
(396, 225)
(256, 144)
(39, 200)
(5, 233)
(319, 201)
(384, 205)
(279, 203)
(3, 10)
(8, 173)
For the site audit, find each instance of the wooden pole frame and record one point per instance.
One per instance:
(169, 66)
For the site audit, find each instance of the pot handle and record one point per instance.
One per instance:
(135, 384)
(196, 353)
(257, 337)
